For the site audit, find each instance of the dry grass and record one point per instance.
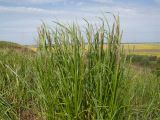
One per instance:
(143, 49)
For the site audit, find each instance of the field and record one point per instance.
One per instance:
(148, 49)
(144, 49)
(69, 80)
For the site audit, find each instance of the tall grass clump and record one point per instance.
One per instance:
(78, 76)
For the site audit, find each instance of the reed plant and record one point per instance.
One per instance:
(79, 82)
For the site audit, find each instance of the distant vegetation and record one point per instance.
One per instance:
(67, 81)
(151, 62)
(144, 60)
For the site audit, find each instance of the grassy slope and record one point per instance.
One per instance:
(10, 46)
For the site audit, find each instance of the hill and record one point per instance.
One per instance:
(11, 46)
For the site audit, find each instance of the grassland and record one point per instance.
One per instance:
(66, 81)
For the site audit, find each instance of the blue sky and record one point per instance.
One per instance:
(19, 19)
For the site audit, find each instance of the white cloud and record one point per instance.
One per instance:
(103, 1)
(30, 10)
(21, 2)
(31, 1)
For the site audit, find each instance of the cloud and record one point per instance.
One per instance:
(31, 1)
(34, 2)
(103, 1)
(31, 10)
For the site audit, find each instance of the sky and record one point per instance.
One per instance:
(19, 19)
